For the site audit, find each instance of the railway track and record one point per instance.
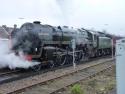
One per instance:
(9, 76)
(86, 74)
(8, 72)
(4, 70)
(87, 70)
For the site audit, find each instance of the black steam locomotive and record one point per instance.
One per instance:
(52, 45)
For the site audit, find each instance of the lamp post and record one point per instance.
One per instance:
(73, 47)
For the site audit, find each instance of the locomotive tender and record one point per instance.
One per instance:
(52, 45)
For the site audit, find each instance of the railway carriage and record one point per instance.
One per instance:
(99, 43)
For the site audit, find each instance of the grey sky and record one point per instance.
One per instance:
(92, 14)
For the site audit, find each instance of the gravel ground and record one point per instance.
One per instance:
(113, 91)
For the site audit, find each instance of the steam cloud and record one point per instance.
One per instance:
(10, 60)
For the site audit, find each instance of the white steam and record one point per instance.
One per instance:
(10, 60)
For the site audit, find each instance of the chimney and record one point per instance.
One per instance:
(37, 22)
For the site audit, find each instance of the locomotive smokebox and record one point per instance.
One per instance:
(37, 22)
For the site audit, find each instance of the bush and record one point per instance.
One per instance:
(76, 89)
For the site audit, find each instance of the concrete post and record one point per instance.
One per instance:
(120, 66)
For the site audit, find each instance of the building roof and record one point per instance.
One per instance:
(3, 33)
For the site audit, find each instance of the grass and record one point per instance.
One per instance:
(76, 89)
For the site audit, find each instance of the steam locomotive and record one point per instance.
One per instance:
(52, 45)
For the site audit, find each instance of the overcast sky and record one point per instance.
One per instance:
(91, 14)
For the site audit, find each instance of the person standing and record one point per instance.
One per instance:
(14, 31)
